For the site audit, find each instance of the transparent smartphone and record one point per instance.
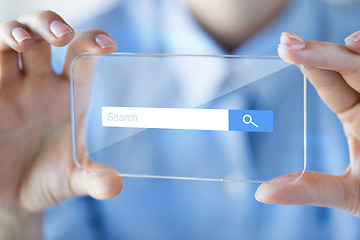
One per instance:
(195, 117)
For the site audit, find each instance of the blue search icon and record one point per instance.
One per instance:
(250, 120)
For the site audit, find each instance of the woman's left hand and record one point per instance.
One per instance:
(334, 70)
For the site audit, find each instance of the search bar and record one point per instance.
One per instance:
(188, 119)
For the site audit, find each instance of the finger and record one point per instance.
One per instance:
(333, 89)
(352, 42)
(101, 182)
(48, 29)
(317, 189)
(331, 86)
(94, 41)
(48, 26)
(327, 56)
(14, 38)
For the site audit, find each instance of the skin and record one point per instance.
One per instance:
(36, 167)
(232, 22)
(334, 70)
(37, 170)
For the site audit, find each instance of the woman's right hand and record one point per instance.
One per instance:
(36, 165)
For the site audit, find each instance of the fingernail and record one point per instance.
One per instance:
(20, 35)
(291, 42)
(59, 29)
(104, 41)
(353, 37)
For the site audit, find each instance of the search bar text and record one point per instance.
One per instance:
(188, 119)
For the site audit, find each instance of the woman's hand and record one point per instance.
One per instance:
(36, 165)
(334, 70)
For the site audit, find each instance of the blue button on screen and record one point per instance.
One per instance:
(251, 120)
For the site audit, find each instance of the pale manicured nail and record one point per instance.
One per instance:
(291, 42)
(353, 37)
(104, 41)
(59, 29)
(20, 35)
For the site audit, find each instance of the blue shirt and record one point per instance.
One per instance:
(161, 209)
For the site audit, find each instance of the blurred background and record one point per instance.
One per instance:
(77, 11)
(69, 9)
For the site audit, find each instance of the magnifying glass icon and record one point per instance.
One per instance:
(247, 116)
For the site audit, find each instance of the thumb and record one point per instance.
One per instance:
(313, 188)
(98, 180)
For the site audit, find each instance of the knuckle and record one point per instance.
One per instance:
(355, 129)
(350, 116)
(89, 34)
(98, 30)
(47, 14)
(39, 16)
(9, 24)
(351, 199)
(356, 66)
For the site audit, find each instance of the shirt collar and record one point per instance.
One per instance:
(181, 34)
